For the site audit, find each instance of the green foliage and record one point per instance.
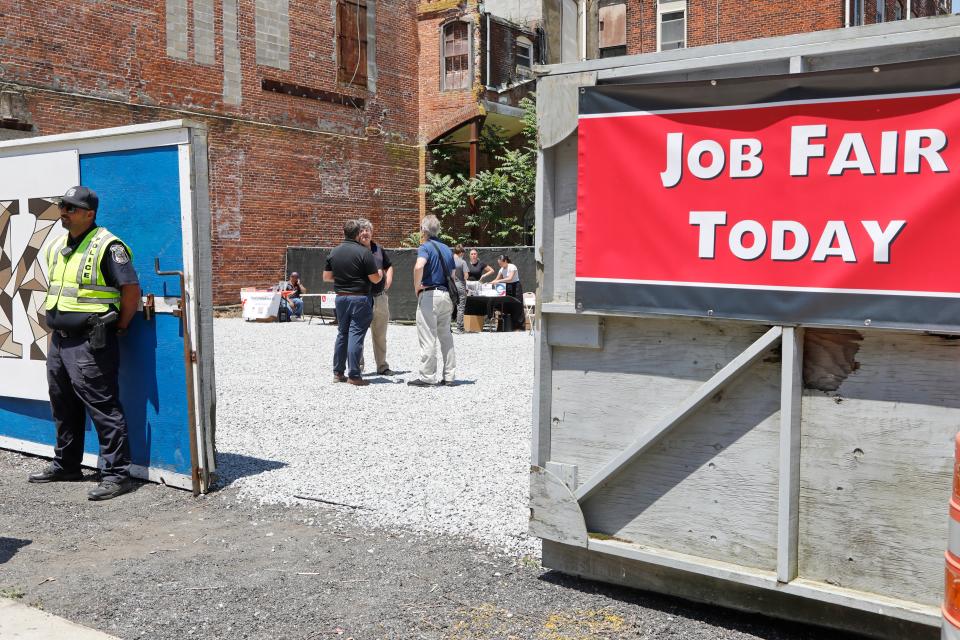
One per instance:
(501, 193)
(14, 593)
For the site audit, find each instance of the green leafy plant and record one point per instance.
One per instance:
(502, 194)
(14, 593)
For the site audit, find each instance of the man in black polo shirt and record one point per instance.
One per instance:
(351, 268)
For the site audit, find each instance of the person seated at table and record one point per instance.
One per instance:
(509, 275)
(294, 300)
(477, 270)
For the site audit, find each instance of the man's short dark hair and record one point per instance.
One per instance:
(351, 229)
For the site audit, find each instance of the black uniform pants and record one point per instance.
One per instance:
(83, 382)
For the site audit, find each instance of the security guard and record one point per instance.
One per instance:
(94, 293)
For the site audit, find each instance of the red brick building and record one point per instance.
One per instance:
(627, 27)
(320, 111)
(312, 113)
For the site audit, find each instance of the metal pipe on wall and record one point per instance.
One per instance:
(487, 79)
(846, 13)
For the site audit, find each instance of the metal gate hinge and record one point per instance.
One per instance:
(193, 356)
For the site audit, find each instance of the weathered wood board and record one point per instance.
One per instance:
(564, 220)
(707, 488)
(876, 462)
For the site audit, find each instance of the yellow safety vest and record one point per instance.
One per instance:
(76, 280)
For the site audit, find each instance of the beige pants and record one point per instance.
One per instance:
(378, 331)
(433, 324)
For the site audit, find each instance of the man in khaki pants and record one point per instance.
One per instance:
(381, 303)
(434, 307)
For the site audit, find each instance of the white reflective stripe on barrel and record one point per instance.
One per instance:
(953, 536)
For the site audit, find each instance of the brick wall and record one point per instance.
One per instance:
(742, 20)
(285, 170)
(717, 21)
(442, 110)
(503, 58)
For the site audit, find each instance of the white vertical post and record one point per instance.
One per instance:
(846, 13)
(791, 392)
(909, 9)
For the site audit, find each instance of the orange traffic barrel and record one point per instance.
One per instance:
(951, 589)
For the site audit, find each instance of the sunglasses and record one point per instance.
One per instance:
(68, 208)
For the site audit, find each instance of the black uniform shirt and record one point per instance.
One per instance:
(117, 270)
(474, 271)
(382, 260)
(351, 263)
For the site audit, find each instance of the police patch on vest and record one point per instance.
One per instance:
(119, 253)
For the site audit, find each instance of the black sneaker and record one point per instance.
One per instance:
(387, 372)
(420, 383)
(448, 383)
(110, 489)
(55, 474)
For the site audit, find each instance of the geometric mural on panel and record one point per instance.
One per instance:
(25, 285)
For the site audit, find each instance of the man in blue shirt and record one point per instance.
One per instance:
(434, 306)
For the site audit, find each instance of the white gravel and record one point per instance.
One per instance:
(446, 460)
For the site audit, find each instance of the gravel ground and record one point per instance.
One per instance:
(447, 460)
(161, 565)
(438, 550)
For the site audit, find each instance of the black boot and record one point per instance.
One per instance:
(55, 474)
(110, 489)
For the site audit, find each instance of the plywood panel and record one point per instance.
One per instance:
(709, 487)
(602, 399)
(564, 237)
(876, 463)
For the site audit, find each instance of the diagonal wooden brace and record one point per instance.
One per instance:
(706, 391)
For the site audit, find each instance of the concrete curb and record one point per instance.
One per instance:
(20, 622)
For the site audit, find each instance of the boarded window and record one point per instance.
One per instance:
(613, 25)
(456, 56)
(352, 42)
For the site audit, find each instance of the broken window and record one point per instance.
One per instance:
(352, 42)
(455, 56)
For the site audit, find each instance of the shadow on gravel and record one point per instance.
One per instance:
(755, 624)
(233, 466)
(10, 546)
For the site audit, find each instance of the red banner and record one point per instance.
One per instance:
(853, 196)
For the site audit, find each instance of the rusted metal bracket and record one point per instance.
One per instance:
(189, 357)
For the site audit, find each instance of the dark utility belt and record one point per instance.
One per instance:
(435, 289)
(95, 331)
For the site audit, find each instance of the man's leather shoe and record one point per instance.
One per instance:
(110, 489)
(420, 383)
(339, 377)
(53, 474)
(358, 382)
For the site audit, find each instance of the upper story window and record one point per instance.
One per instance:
(352, 42)
(524, 53)
(456, 61)
(671, 24)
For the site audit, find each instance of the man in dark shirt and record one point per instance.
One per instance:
(87, 308)
(381, 303)
(351, 268)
